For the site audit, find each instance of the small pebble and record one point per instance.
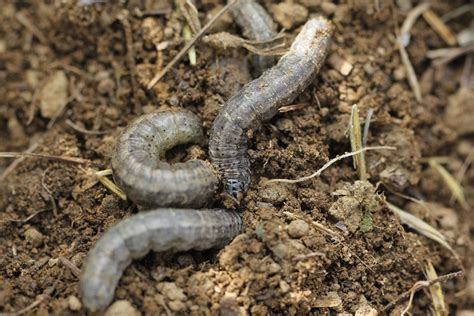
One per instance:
(289, 14)
(73, 303)
(121, 308)
(284, 287)
(298, 228)
(33, 236)
(177, 306)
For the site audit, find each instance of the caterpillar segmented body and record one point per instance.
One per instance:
(158, 230)
(139, 171)
(256, 24)
(259, 101)
(148, 181)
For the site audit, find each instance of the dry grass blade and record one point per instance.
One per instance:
(421, 226)
(102, 177)
(418, 286)
(356, 144)
(440, 27)
(455, 188)
(436, 291)
(292, 107)
(187, 35)
(190, 13)
(458, 12)
(412, 79)
(45, 156)
(443, 56)
(225, 40)
(410, 20)
(184, 50)
(403, 40)
(328, 164)
(365, 136)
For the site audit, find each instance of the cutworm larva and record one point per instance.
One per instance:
(259, 100)
(147, 180)
(158, 230)
(256, 24)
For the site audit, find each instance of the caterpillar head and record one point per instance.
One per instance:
(236, 189)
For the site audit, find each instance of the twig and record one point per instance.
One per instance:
(421, 285)
(185, 49)
(328, 164)
(79, 129)
(16, 162)
(71, 266)
(45, 156)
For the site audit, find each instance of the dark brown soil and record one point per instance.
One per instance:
(56, 54)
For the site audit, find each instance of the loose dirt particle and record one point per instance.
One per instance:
(171, 291)
(298, 228)
(289, 14)
(73, 303)
(54, 95)
(121, 308)
(34, 237)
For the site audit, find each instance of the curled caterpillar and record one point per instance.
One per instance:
(256, 24)
(158, 230)
(259, 100)
(148, 181)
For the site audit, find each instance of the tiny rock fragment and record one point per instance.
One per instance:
(171, 291)
(331, 299)
(121, 308)
(341, 65)
(54, 94)
(289, 14)
(177, 306)
(73, 303)
(33, 236)
(298, 228)
(284, 287)
(366, 310)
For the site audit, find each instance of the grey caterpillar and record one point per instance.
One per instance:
(259, 101)
(139, 170)
(158, 230)
(148, 181)
(256, 24)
